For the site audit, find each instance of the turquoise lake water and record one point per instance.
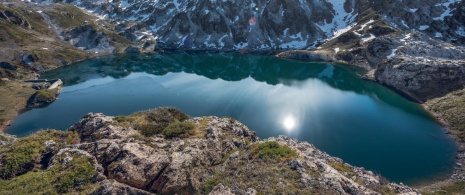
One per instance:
(327, 105)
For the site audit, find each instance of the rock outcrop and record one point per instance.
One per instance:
(422, 67)
(221, 156)
(43, 97)
(86, 37)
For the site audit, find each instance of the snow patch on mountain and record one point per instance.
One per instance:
(342, 21)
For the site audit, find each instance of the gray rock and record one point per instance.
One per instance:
(421, 67)
(28, 59)
(88, 38)
(8, 66)
(158, 165)
(220, 189)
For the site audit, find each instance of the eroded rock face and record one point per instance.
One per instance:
(14, 18)
(127, 162)
(421, 67)
(87, 37)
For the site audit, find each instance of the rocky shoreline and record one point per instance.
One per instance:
(415, 66)
(404, 59)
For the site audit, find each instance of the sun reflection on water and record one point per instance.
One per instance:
(289, 123)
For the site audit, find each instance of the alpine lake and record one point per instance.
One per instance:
(328, 105)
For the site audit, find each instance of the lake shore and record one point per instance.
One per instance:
(427, 187)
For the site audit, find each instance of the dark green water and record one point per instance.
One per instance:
(327, 105)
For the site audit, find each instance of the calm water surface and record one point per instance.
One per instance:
(327, 105)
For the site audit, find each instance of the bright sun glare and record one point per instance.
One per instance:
(289, 123)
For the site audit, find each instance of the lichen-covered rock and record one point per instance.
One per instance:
(218, 147)
(43, 97)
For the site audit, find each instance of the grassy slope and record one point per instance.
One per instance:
(44, 44)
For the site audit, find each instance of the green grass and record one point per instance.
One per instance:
(47, 95)
(207, 186)
(25, 154)
(272, 150)
(75, 176)
(153, 122)
(456, 188)
(150, 129)
(179, 130)
(451, 108)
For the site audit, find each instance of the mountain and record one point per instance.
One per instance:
(274, 24)
(413, 46)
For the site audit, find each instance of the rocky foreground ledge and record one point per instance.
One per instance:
(164, 151)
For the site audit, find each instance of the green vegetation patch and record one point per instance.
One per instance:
(207, 186)
(264, 176)
(272, 150)
(455, 188)
(75, 176)
(47, 95)
(25, 154)
(179, 129)
(153, 122)
(451, 108)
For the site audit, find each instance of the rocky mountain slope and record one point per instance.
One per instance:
(164, 151)
(38, 37)
(272, 24)
(412, 46)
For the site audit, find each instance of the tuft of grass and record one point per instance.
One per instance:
(47, 95)
(153, 122)
(149, 129)
(207, 186)
(179, 130)
(341, 167)
(272, 150)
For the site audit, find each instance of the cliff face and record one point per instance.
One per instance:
(198, 155)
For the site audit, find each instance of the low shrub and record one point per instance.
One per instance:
(179, 129)
(272, 150)
(149, 129)
(165, 115)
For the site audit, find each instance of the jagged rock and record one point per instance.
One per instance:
(168, 166)
(8, 66)
(39, 86)
(87, 37)
(114, 188)
(27, 59)
(220, 189)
